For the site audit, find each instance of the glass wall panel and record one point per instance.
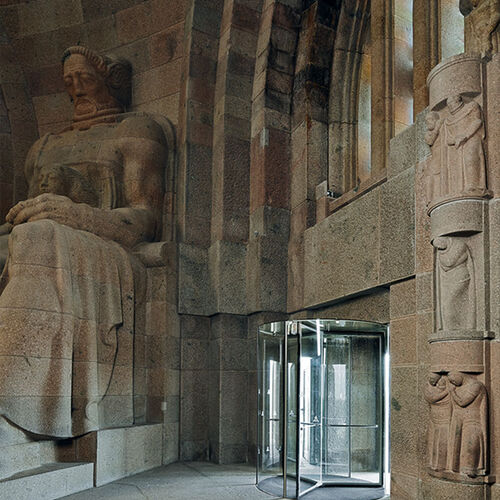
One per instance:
(365, 454)
(270, 400)
(365, 380)
(292, 419)
(311, 404)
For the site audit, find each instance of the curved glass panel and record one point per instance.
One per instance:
(322, 406)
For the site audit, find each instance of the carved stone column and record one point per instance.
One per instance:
(457, 177)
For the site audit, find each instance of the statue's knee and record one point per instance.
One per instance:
(4, 250)
(42, 227)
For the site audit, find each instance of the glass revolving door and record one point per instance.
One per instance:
(322, 407)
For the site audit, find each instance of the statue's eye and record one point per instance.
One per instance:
(88, 78)
(68, 81)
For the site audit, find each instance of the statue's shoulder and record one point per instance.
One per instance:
(36, 149)
(145, 126)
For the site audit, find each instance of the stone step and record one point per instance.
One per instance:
(19, 451)
(48, 482)
(26, 456)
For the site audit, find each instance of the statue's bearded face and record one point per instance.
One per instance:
(86, 86)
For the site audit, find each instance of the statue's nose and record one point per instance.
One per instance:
(78, 87)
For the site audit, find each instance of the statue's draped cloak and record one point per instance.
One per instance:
(439, 425)
(465, 163)
(66, 330)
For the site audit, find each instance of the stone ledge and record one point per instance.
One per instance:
(462, 478)
(460, 335)
(363, 188)
(126, 451)
(48, 482)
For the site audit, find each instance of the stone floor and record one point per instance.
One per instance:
(183, 481)
(190, 481)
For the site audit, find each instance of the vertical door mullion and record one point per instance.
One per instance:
(285, 409)
(349, 432)
(381, 406)
(298, 442)
(319, 331)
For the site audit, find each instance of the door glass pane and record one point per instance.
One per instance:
(311, 405)
(336, 465)
(365, 380)
(352, 408)
(291, 471)
(365, 454)
(270, 435)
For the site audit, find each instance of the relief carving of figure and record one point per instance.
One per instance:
(456, 167)
(464, 134)
(455, 285)
(436, 176)
(484, 19)
(457, 434)
(469, 425)
(69, 285)
(437, 395)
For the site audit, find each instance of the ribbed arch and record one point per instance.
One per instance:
(350, 44)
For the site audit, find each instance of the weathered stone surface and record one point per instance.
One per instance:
(404, 341)
(227, 259)
(403, 298)
(454, 76)
(49, 482)
(404, 420)
(402, 152)
(494, 216)
(397, 227)
(123, 452)
(196, 294)
(228, 326)
(465, 356)
(370, 307)
(432, 487)
(342, 252)
(267, 251)
(481, 26)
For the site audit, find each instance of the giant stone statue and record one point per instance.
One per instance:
(70, 278)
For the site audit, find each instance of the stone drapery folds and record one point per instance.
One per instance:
(70, 284)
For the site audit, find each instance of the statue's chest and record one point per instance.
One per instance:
(96, 146)
(94, 155)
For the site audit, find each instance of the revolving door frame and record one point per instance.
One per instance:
(342, 328)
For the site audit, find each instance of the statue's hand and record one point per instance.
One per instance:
(459, 140)
(47, 206)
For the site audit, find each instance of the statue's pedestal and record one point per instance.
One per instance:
(49, 481)
(463, 216)
(466, 356)
(52, 469)
(462, 478)
(121, 452)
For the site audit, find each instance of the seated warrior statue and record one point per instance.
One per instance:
(68, 284)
